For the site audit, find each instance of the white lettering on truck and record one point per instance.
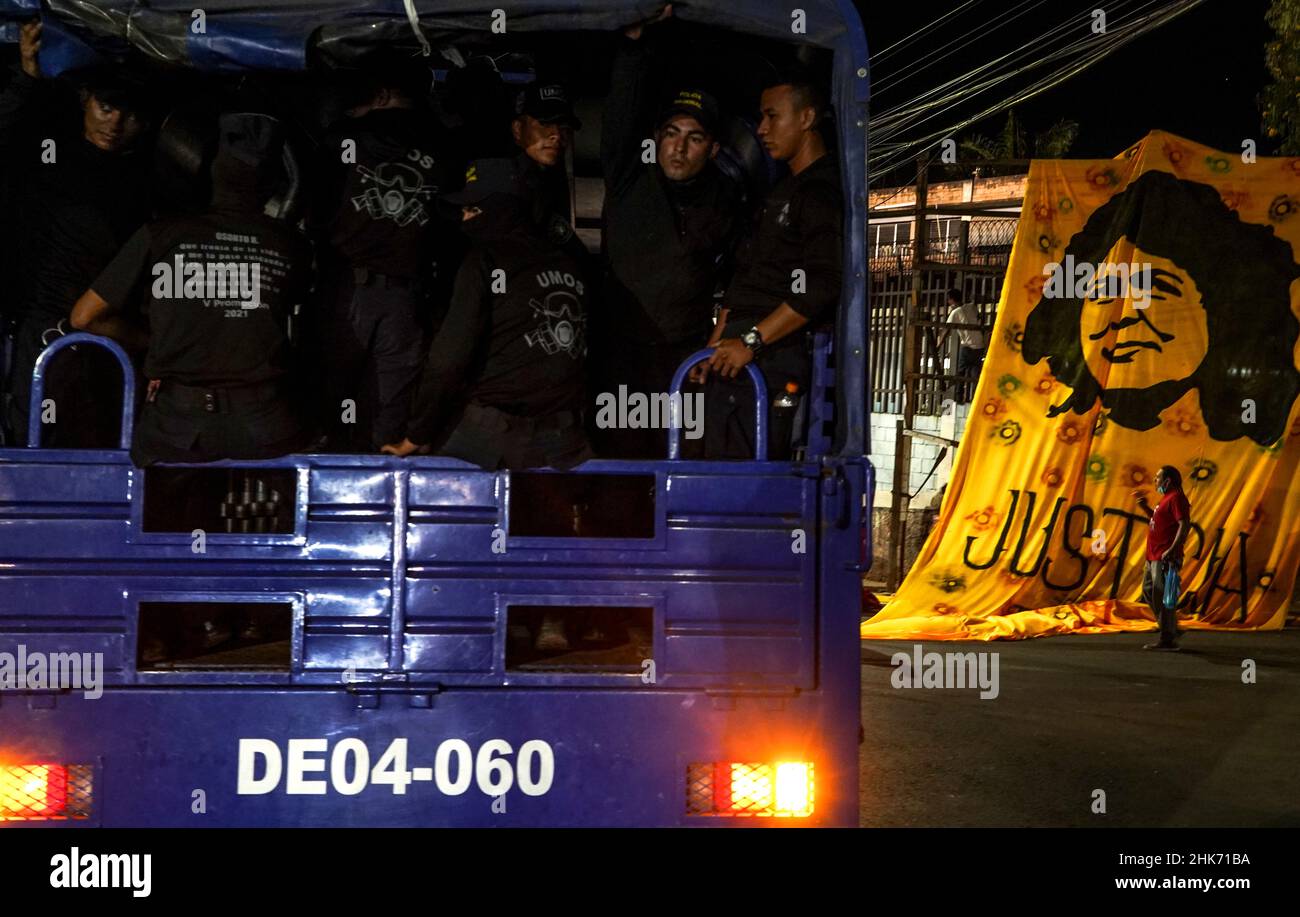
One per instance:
(346, 769)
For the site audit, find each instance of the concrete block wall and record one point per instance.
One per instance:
(924, 452)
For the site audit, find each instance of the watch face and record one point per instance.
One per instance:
(749, 339)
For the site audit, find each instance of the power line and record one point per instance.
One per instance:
(919, 64)
(885, 52)
(889, 155)
(897, 118)
(1039, 42)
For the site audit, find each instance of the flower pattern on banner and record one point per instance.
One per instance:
(1282, 208)
(1007, 432)
(1177, 154)
(1134, 475)
(1203, 470)
(1102, 178)
(1014, 336)
(984, 519)
(947, 581)
(1052, 477)
(993, 408)
(1097, 469)
(1183, 423)
(1070, 432)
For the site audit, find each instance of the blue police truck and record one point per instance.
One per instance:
(346, 639)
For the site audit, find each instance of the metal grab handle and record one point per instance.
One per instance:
(38, 384)
(760, 405)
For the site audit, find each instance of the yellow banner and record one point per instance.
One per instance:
(1150, 316)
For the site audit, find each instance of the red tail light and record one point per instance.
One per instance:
(31, 792)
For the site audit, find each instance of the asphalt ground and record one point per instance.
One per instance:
(1173, 739)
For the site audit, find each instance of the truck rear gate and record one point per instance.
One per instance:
(393, 599)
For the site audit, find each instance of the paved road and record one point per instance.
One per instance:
(1173, 739)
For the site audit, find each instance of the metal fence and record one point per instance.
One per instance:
(890, 293)
(980, 242)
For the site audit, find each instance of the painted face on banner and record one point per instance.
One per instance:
(1218, 319)
(1140, 337)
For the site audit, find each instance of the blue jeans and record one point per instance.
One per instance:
(1153, 593)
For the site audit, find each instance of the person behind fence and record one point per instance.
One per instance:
(788, 272)
(220, 287)
(380, 245)
(1170, 522)
(503, 381)
(77, 188)
(971, 344)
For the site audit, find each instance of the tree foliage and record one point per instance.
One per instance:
(1280, 100)
(1014, 142)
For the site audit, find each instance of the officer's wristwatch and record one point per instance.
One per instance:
(753, 339)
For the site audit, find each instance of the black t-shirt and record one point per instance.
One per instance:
(801, 227)
(380, 211)
(515, 341)
(220, 288)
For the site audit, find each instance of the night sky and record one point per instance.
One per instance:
(1197, 76)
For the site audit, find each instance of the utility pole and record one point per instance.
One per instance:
(901, 501)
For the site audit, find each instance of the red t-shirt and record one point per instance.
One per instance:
(1172, 509)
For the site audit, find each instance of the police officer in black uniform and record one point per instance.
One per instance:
(788, 272)
(543, 129)
(670, 227)
(380, 247)
(75, 190)
(220, 287)
(503, 382)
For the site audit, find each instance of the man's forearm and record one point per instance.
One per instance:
(130, 335)
(620, 147)
(781, 322)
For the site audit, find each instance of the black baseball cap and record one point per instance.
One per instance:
(115, 86)
(699, 105)
(548, 103)
(486, 177)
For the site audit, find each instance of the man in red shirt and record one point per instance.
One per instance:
(1170, 522)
